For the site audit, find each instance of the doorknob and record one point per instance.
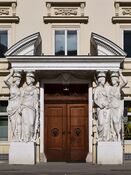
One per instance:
(69, 132)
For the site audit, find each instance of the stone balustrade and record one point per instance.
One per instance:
(8, 11)
(122, 11)
(57, 11)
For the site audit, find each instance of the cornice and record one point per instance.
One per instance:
(121, 19)
(65, 62)
(123, 2)
(8, 2)
(65, 58)
(62, 19)
(4, 72)
(67, 2)
(9, 19)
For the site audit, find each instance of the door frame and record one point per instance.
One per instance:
(90, 111)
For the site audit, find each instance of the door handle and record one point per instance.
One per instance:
(69, 132)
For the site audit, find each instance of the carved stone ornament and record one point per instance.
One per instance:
(48, 5)
(82, 5)
(109, 106)
(66, 11)
(4, 11)
(48, 9)
(14, 104)
(126, 11)
(23, 107)
(30, 108)
(117, 5)
(14, 9)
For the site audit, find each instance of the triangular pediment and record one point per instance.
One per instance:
(30, 45)
(103, 46)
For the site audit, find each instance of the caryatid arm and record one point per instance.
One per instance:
(7, 78)
(124, 81)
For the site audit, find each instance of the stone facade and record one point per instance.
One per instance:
(31, 30)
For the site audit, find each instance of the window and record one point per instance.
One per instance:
(66, 42)
(3, 42)
(3, 121)
(127, 42)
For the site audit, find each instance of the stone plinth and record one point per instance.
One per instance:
(109, 153)
(22, 153)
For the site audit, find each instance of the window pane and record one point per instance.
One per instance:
(3, 128)
(3, 106)
(60, 42)
(72, 42)
(127, 43)
(3, 43)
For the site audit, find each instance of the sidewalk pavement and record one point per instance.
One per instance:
(61, 168)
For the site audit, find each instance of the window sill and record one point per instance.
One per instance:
(3, 113)
(4, 143)
(127, 142)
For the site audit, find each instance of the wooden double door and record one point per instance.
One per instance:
(66, 129)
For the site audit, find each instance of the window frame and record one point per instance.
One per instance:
(77, 29)
(5, 114)
(9, 34)
(120, 36)
(129, 30)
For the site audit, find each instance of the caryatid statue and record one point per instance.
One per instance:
(102, 107)
(14, 104)
(23, 107)
(29, 109)
(109, 106)
(116, 104)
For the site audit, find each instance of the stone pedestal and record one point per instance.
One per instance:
(109, 153)
(22, 153)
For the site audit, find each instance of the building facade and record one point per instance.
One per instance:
(65, 44)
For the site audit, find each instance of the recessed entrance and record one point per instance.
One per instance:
(66, 124)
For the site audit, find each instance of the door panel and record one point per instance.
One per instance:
(77, 125)
(55, 132)
(66, 137)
